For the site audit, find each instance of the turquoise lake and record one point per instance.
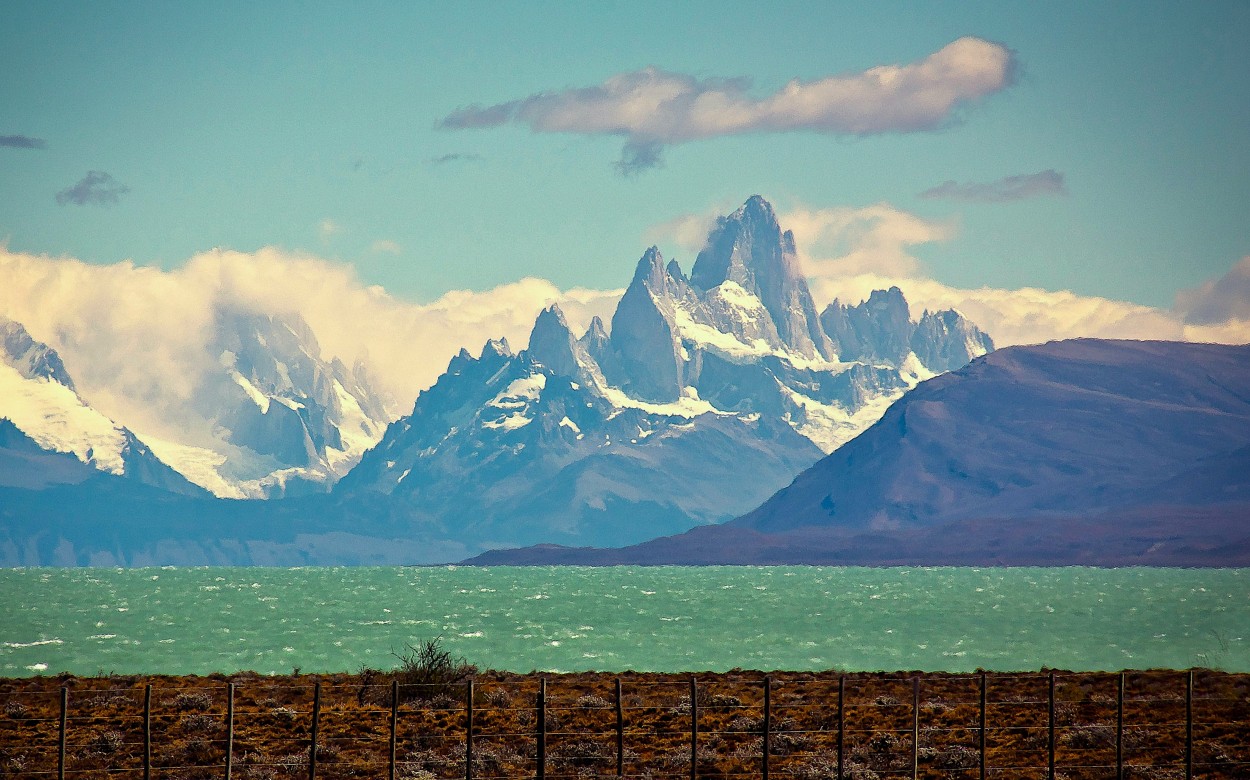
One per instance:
(202, 620)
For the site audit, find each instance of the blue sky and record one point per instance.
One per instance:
(316, 128)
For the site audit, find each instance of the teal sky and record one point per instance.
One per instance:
(316, 128)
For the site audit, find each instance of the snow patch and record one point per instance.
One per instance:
(57, 419)
(258, 398)
(913, 371)
(198, 464)
(520, 392)
(829, 426)
(509, 423)
(688, 406)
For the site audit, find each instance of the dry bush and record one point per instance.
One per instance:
(188, 701)
(426, 672)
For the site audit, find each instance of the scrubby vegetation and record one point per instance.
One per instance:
(427, 672)
(273, 724)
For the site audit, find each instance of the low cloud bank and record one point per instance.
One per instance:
(134, 337)
(847, 252)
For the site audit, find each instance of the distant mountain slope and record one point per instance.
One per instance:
(43, 420)
(264, 414)
(1071, 426)
(708, 394)
(280, 419)
(1085, 451)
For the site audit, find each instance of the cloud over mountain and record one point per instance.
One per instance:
(134, 336)
(1218, 300)
(653, 108)
(847, 252)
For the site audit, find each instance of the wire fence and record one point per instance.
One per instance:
(1158, 725)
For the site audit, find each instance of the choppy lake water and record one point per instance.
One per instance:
(202, 620)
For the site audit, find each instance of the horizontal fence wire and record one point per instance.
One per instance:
(889, 726)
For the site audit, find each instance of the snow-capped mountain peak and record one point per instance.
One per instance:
(749, 248)
(38, 397)
(29, 357)
(705, 396)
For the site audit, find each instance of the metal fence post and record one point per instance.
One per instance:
(841, 723)
(147, 733)
(60, 757)
(1119, 730)
(1189, 726)
(768, 720)
(984, 695)
(694, 730)
(312, 743)
(620, 731)
(468, 732)
(229, 728)
(1050, 729)
(394, 725)
(542, 728)
(915, 728)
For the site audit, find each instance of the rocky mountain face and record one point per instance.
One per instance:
(290, 422)
(706, 394)
(46, 426)
(1075, 452)
(709, 393)
(269, 418)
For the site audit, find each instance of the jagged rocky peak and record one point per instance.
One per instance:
(877, 330)
(675, 273)
(749, 248)
(652, 273)
(32, 359)
(880, 330)
(552, 343)
(644, 333)
(596, 333)
(598, 346)
(496, 348)
(946, 340)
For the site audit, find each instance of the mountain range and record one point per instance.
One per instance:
(648, 429)
(1089, 452)
(608, 437)
(718, 416)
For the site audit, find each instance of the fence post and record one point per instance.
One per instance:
(620, 731)
(694, 730)
(984, 695)
(542, 728)
(841, 720)
(1119, 730)
(147, 732)
(768, 720)
(468, 732)
(229, 728)
(394, 725)
(1050, 729)
(60, 757)
(915, 728)
(1189, 726)
(312, 745)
